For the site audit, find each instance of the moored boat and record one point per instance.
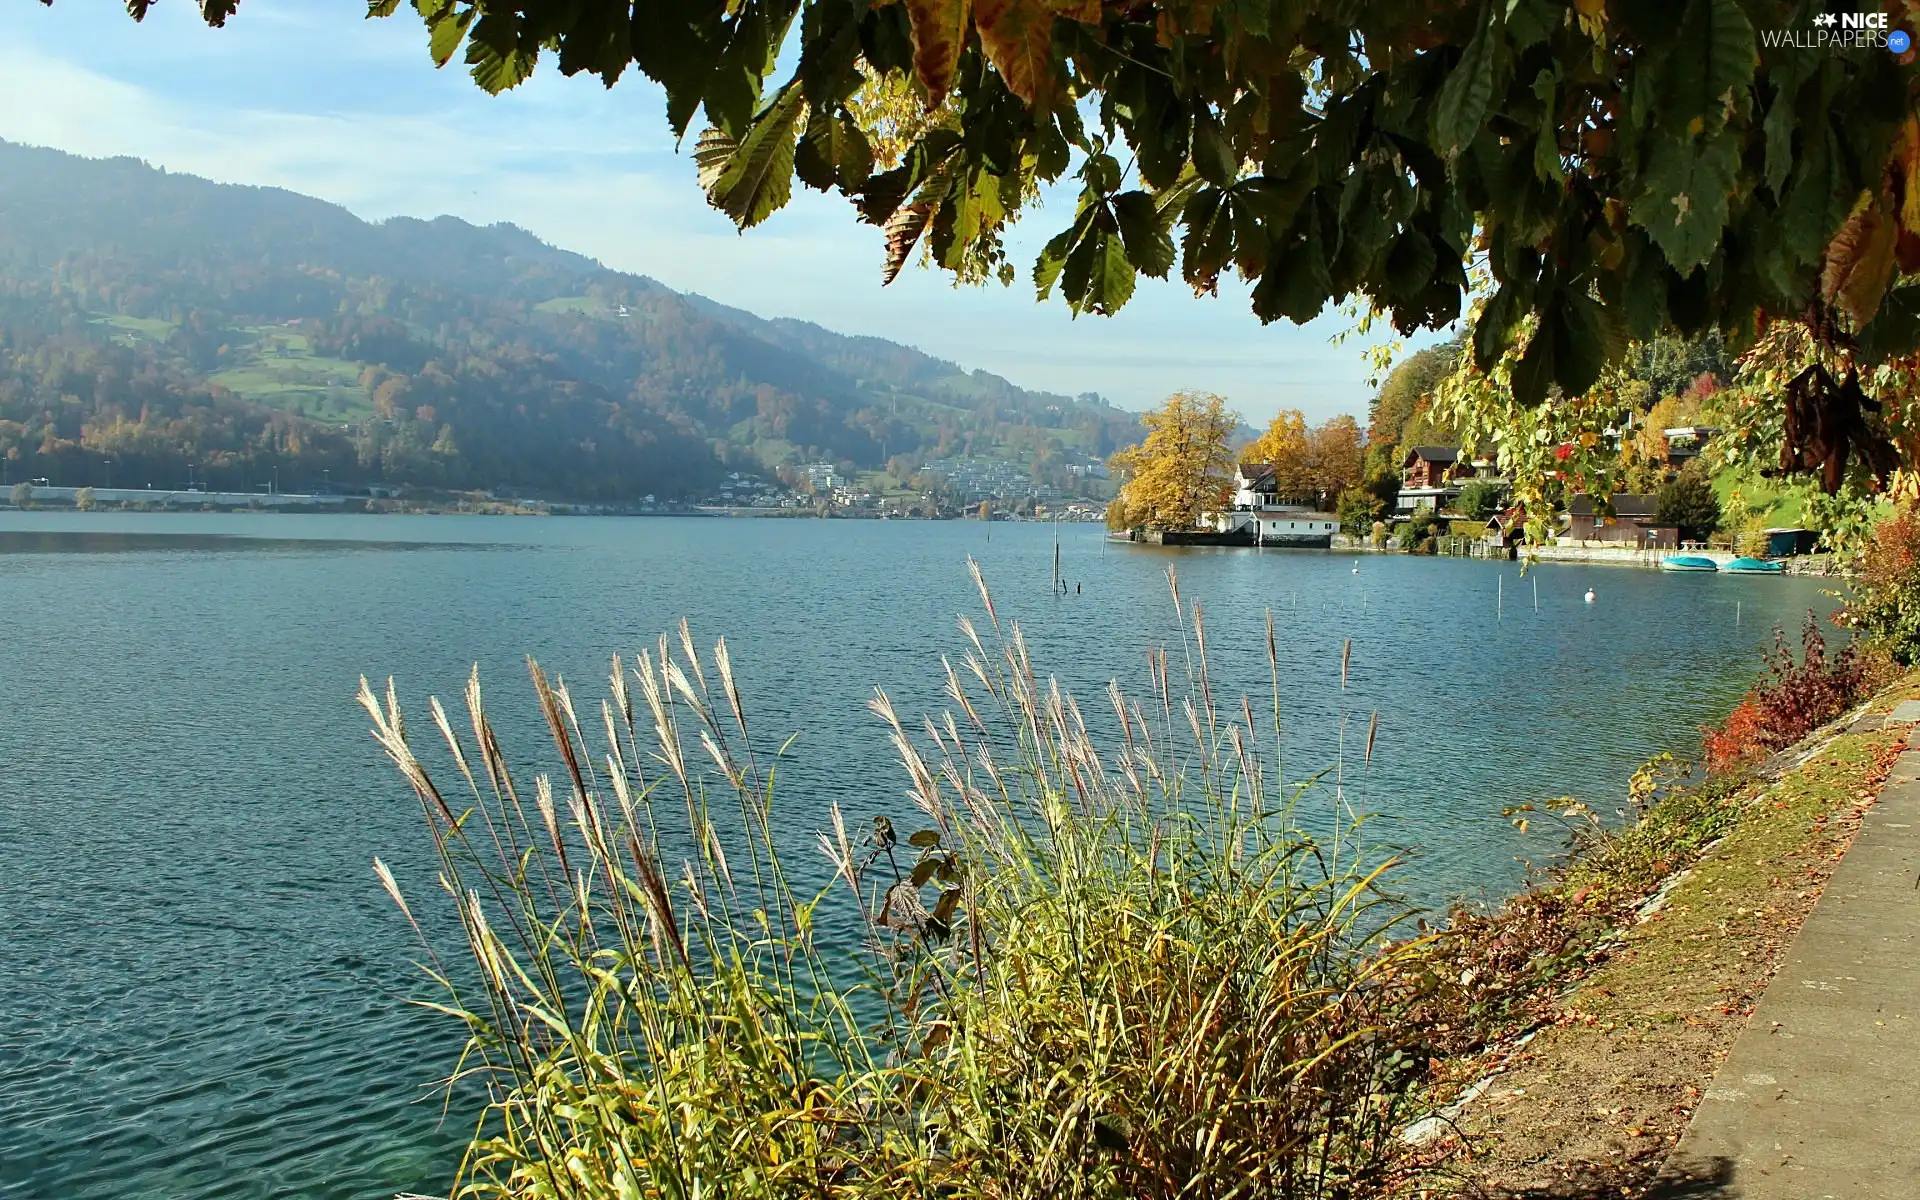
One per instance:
(1687, 562)
(1754, 566)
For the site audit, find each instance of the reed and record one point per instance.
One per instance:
(1134, 963)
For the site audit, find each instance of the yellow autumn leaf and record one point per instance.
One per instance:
(1859, 261)
(939, 33)
(1018, 38)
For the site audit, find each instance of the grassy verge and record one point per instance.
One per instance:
(1641, 966)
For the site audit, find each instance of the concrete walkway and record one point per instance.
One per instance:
(1820, 1096)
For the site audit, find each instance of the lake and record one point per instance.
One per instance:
(206, 987)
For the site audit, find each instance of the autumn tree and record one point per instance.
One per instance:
(1284, 448)
(1409, 385)
(1336, 453)
(1644, 454)
(1183, 468)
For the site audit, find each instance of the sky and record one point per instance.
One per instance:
(310, 96)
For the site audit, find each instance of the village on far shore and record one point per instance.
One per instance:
(1443, 500)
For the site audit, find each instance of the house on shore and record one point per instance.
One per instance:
(1433, 476)
(1507, 531)
(1631, 524)
(1261, 518)
(1684, 443)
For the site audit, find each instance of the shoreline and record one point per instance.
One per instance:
(1597, 1074)
(358, 506)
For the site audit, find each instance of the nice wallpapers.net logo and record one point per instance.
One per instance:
(1843, 31)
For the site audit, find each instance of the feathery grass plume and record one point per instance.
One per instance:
(1129, 962)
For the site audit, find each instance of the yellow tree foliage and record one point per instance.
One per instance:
(1182, 469)
(1644, 456)
(1284, 448)
(1309, 464)
(1337, 453)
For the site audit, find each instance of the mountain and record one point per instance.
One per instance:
(162, 322)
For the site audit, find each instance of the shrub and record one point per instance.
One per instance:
(1885, 603)
(1358, 509)
(1411, 534)
(1479, 500)
(1793, 700)
(1689, 503)
(1084, 974)
(1750, 539)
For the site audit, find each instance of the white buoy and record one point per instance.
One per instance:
(1356, 570)
(1589, 595)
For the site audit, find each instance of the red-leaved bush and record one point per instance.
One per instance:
(1793, 700)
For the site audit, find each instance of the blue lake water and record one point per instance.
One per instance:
(205, 986)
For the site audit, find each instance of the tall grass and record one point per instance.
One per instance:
(1096, 966)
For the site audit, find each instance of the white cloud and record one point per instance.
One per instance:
(317, 101)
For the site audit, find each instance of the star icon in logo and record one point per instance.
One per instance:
(1826, 19)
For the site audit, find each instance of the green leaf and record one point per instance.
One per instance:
(757, 177)
(1162, 135)
(1682, 202)
(1535, 370)
(1409, 265)
(1779, 129)
(1297, 286)
(1895, 332)
(1546, 147)
(925, 839)
(1078, 271)
(1817, 200)
(1493, 331)
(1101, 172)
(1710, 64)
(445, 31)
(1213, 154)
(1208, 242)
(495, 70)
(733, 87)
(1580, 342)
(1148, 241)
(677, 48)
(1531, 21)
(1464, 96)
(1051, 264)
(832, 151)
(1046, 268)
(1111, 283)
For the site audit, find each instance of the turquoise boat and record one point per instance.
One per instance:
(1687, 562)
(1754, 566)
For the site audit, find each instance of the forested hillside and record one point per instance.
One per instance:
(152, 323)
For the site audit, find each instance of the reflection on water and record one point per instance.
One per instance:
(206, 988)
